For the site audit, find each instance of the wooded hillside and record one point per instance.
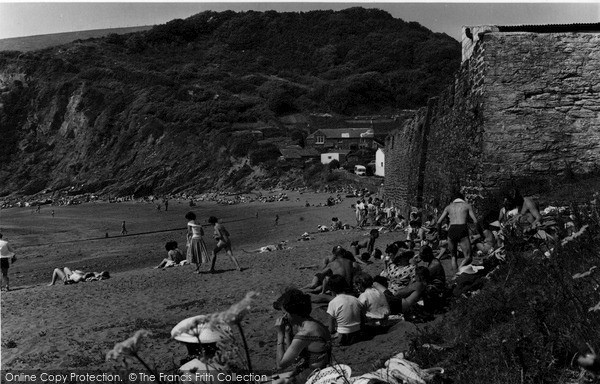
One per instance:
(177, 107)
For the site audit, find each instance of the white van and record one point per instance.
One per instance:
(360, 170)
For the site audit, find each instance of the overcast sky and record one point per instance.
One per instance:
(28, 18)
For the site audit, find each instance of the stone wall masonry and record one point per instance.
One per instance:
(542, 104)
(523, 106)
(404, 146)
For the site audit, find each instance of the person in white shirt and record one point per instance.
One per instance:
(374, 302)
(7, 256)
(347, 313)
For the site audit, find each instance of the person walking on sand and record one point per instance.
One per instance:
(458, 212)
(197, 252)
(7, 256)
(123, 229)
(166, 204)
(223, 242)
(276, 220)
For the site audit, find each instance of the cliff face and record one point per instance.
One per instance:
(203, 103)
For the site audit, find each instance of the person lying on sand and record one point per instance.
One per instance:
(72, 277)
(270, 248)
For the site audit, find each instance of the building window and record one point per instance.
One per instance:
(320, 140)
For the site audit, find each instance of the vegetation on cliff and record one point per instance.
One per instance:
(187, 105)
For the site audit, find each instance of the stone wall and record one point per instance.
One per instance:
(524, 106)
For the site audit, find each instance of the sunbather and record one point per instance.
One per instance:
(72, 277)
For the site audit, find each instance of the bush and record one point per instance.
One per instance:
(531, 318)
(334, 164)
(264, 153)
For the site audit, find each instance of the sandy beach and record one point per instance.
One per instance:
(73, 326)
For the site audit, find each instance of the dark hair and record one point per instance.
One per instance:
(171, 245)
(363, 280)
(381, 280)
(190, 216)
(458, 195)
(373, 232)
(365, 256)
(426, 253)
(422, 273)
(213, 220)
(377, 254)
(295, 302)
(337, 284)
(406, 255)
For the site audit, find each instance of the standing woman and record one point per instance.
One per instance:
(223, 242)
(197, 252)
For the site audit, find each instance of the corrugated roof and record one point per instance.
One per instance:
(551, 28)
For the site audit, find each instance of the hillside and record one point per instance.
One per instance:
(32, 43)
(178, 107)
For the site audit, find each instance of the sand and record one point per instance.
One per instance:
(73, 326)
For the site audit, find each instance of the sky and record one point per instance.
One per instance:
(38, 18)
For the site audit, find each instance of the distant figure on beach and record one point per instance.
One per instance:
(123, 229)
(166, 204)
(39, 208)
(72, 277)
(53, 213)
(7, 256)
(458, 212)
(276, 220)
(223, 243)
(197, 252)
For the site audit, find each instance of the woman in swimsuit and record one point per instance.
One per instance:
(309, 348)
(223, 243)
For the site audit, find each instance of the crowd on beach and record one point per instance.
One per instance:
(412, 284)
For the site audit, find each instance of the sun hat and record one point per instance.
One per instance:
(207, 333)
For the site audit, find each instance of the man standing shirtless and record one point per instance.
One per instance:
(458, 212)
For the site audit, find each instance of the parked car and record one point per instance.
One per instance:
(360, 170)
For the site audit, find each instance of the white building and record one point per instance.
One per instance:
(380, 162)
(340, 156)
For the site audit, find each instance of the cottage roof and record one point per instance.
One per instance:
(340, 151)
(343, 133)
